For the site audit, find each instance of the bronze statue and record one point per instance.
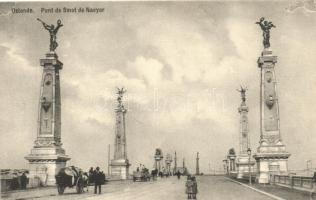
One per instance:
(265, 27)
(231, 151)
(120, 92)
(158, 152)
(243, 93)
(52, 32)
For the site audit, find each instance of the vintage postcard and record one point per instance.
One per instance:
(158, 100)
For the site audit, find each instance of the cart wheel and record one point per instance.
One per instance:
(60, 189)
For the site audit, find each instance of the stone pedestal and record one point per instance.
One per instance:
(45, 163)
(119, 169)
(271, 156)
(243, 166)
(47, 155)
(271, 163)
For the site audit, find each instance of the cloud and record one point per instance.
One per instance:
(306, 5)
(150, 70)
(180, 65)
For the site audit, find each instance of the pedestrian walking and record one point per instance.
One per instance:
(178, 174)
(97, 180)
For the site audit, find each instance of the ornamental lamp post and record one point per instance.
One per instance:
(249, 169)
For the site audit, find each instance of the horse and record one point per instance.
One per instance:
(85, 179)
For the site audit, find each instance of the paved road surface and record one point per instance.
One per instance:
(210, 188)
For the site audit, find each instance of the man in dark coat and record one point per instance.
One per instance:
(23, 181)
(91, 175)
(97, 180)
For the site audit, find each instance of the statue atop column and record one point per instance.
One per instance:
(48, 156)
(243, 93)
(120, 164)
(120, 92)
(271, 155)
(265, 27)
(52, 32)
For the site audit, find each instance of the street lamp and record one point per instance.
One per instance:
(249, 154)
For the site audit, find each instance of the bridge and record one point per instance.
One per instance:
(209, 187)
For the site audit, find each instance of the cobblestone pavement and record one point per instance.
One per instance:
(210, 188)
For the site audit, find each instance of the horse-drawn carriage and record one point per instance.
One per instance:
(142, 175)
(71, 177)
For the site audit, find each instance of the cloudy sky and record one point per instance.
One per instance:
(181, 63)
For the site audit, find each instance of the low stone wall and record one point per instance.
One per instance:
(302, 183)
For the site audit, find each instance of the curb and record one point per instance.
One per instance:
(257, 190)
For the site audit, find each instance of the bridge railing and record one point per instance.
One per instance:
(295, 182)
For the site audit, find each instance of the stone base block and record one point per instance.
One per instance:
(271, 163)
(243, 165)
(45, 163)
(119, 169)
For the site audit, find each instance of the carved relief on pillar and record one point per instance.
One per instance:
(47, 143)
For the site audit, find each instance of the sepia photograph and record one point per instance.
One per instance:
(156, 100)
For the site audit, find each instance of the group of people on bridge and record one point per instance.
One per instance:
(191, 187)
(97, 177)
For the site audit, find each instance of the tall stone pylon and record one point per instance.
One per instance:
(120, 164)
(244, 163)
(158, 159)
(175, 163)
(48, 156)
(271, 156)
(168, 161)
(197, 167)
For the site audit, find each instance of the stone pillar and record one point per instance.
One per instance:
(168, 162)
(225, 166)
(120, 164)
(175, 163)
(233, 159)
(158, 157)
(197, 170)
(271, 156)
(242, 161)
(47, 155)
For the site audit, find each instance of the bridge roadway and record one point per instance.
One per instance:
(210, 187)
